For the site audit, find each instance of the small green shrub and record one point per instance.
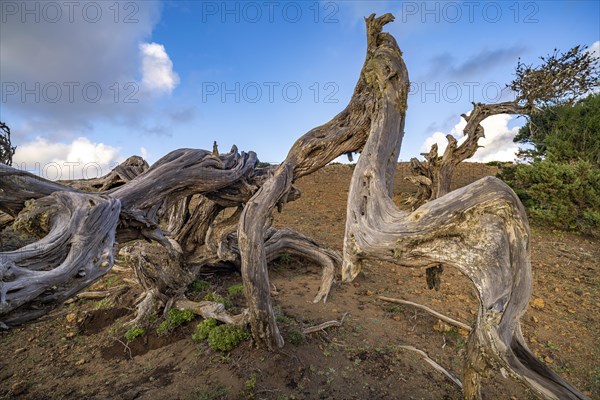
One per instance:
(199, 285)
(285, 258)
(203, 329)
(133, 333)
(236, 290)
(226, 337)
(104, 304)
(561, 195)
(295, 337)
(175, 318)
(218, 299)
(261, 164)
(215, 391)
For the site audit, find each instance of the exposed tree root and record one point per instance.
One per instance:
(435, 365)
(325, 325)
(209, 309)
(429, 310)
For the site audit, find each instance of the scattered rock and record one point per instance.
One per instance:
(71, 317)
(80, 362)
(535, 319)
(20, 350)
(18, 388)
(131, 394)
(538, 304)
(441, 326)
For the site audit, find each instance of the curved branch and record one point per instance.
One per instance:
(76, 252)
(346, 132)
(481, 229)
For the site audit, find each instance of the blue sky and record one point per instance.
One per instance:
(95, 82)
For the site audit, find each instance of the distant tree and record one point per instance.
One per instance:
(6, 149)
(563, 133)
(558, 82)
(560, 183)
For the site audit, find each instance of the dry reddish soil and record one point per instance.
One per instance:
(80, 352)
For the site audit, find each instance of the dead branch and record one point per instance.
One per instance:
(435, 365)
(325, 325)
(428, 310)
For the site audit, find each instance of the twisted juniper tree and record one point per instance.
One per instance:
(481, 229)
(559, 80)
(6, 148)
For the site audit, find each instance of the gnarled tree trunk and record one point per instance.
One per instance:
(345, 133)
(481, 229)
(434, 176)
(79, 230)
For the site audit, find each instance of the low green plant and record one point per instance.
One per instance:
(236, 290)
(133, 333)
(295, 337)
(103, 304)
(285, 258)
(226, 337)
(215, 391)
(203, 329)
(250, 383)
(284, 319)
(199, 285)
(175, 318)
(214, 297)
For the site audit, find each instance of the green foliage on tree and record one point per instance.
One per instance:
(561, 185)
(563, 133)
(6, 149)
(561, 195)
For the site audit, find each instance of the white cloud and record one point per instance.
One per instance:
(497, 144)
(80, 158)
(144, 153)
(63, 78)
(157, 69)
(594, 48)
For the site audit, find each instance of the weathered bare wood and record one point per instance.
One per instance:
(429, 310)
(5, 220)
(346, 132)
(77, 251)
(435, 365)
(16, 187)
(481, 230)
(325, 325)
(80, 228)
(118, 176)
(209, 309)
(142, 197)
